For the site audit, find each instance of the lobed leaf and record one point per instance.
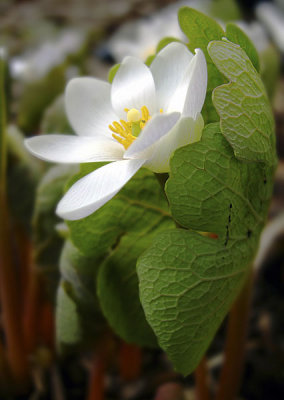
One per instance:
(188, 280)
(187, 284)
(114, 236)
(47, 242)
(245, 114)
(78, 281)
(201, 30)
(68, 329)
(237, 36)
(118, 290)
(112, 72)
(210, 190)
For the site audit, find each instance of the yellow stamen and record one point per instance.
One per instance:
(122, 130)
(145, 116)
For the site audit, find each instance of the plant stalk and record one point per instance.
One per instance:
(8, 280)
(130, 361)
(201, 381)
(96, 383)
(232, 370)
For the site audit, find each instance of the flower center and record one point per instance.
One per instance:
(125, 132)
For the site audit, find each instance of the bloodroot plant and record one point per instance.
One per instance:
(164, 267)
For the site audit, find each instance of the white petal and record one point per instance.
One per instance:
(197, 87)
(95, 189)
(185, 132)
(157, 127)
(168, 69)
(88, 106)
(74, 149)
(190, 94)
(133, 87)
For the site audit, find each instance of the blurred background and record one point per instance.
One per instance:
(47, 43)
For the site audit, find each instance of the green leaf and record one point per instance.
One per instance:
(137, 206)
(150, 59)
(244, 109)
(237, 36)
(187, 284)
(23, 174)
(118, 287)
(200, 30)
(114, 236)
(68, 329)
(225, 10)
(270, 69)
(46, 240)
(80, 271)
(188, 281)
(163, 43)
(112, 72)
(79, 274)
(212, 191)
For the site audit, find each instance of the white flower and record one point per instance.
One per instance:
(139, 120)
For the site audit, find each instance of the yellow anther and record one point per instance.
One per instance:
(126, 125)
(161, 110)
(112, 128)
(122, 130)
(133, 115)
(145, 113)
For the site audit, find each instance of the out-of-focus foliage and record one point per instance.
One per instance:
(24, 172)
(54, 119)
(47, 241)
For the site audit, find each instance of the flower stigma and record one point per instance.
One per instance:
(125, 132)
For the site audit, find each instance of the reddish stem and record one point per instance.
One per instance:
(130, 358)
(4, 377)
(96, 383)
(232, 370)
(10, 301)
(46, 325)
(32, 310)
(201, 381)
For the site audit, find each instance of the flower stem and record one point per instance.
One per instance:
(96, 383)
(130, 360)
(4, 377)
(201, 381)
(3, 139)
(33, 303)
(232, 370)
(8, 281)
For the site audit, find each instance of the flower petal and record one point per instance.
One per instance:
(186, 131)
(156, 128)
(95, 189)
(190, 94)
(74, 149)
(133, 87)
(88, 106)
(168, 70)
(197, 86)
